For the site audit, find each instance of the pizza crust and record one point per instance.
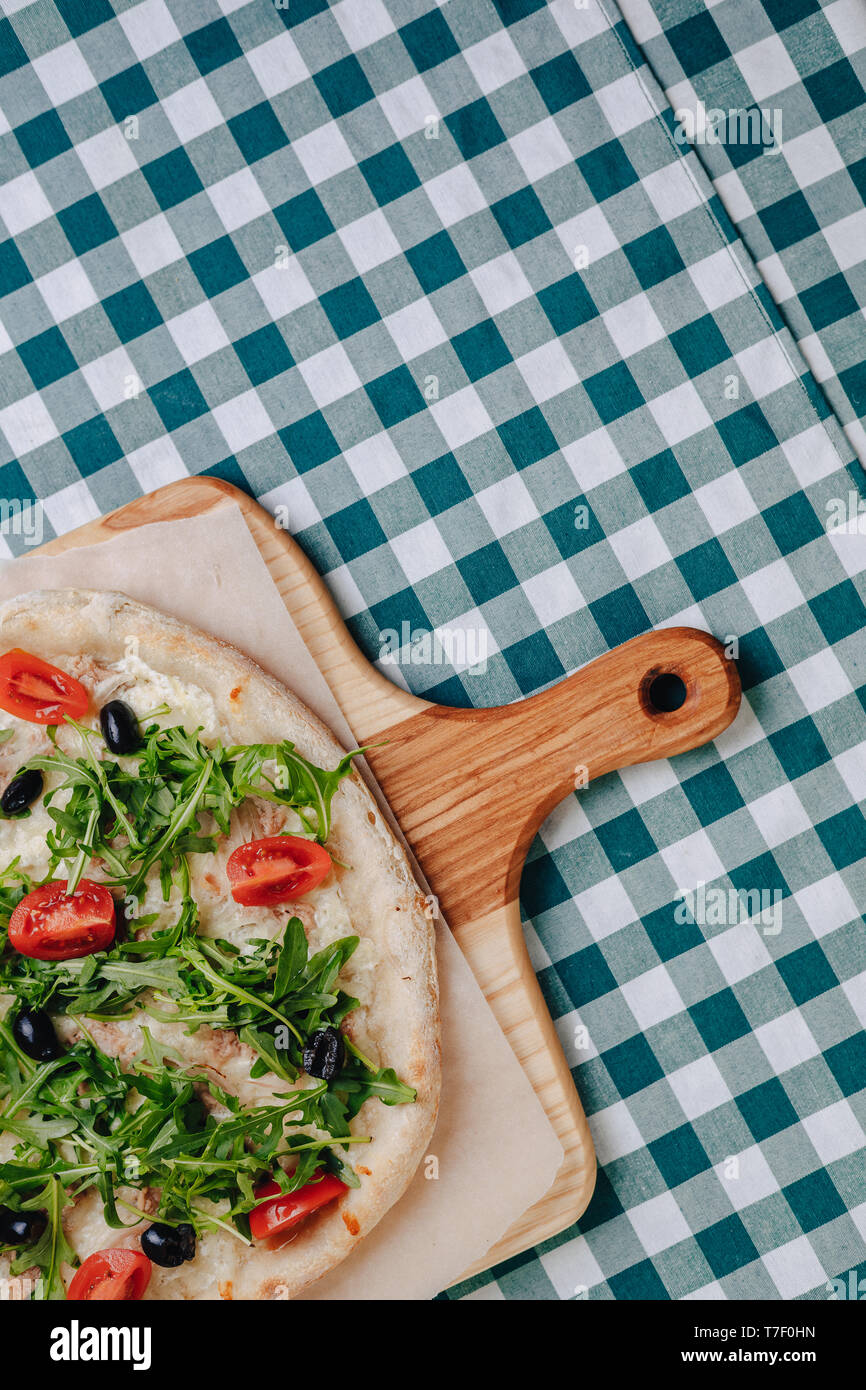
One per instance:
(383, 899)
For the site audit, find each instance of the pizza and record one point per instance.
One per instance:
(219, 1027)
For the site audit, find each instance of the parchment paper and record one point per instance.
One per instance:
(496, 1151)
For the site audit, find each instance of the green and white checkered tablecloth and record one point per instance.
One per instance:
(435, 278)
(801, 215)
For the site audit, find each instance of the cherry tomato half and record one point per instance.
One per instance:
(286, 1209)
(276, 870)
(48, 925)
(116, 1276)
(35, 690)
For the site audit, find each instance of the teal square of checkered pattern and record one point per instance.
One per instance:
(439, 281)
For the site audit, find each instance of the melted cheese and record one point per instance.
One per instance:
(25, 839)
(190, 705)
(333, 921)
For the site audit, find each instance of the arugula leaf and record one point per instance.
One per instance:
(52, 1248)
(158, 1133)
(136, 975)
(292, 958)
(14, 883)
(358, 1085)
(102, 985)
(296, 782)
(37, 1131)
(146, 810)
(270, 1058)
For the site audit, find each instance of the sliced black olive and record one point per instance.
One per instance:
(21, 1227)
(324, 1054)
(119, 727)
(169, 1246)
(34, 1033)
(21, 792)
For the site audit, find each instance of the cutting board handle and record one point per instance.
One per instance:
(614, 712)
(471, 787)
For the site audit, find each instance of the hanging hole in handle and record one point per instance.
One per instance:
(666, 693)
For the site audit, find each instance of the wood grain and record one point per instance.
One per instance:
(470, 788)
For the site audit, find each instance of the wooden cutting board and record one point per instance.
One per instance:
(471, 787)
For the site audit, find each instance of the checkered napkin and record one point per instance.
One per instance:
(438, 284)
(802, 215)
